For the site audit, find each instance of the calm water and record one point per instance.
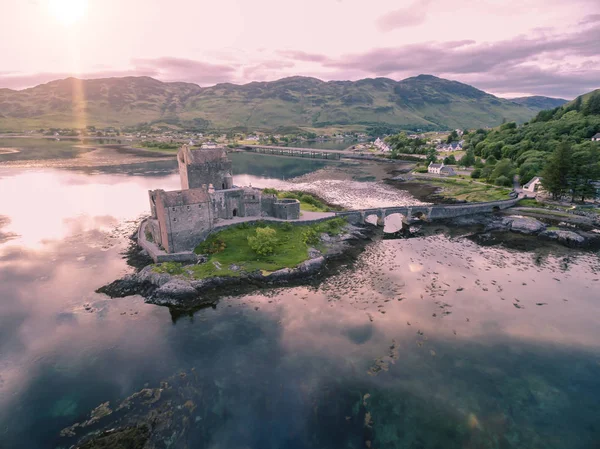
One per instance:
(432, 342)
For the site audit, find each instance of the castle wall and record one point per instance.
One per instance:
(215, 173)
(186, 225)
(183, 171)
(286, 209)
(228, 203)
(153, 230)
(163, 221)
(266, 205)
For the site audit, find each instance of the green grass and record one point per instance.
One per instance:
(470, 191)
(289, 251)
(529, 202)
(308, 202)
(542, 211)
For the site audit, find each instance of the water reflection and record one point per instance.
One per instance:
(433, 341)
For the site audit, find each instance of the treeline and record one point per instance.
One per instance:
(572, 171)
(528, 147)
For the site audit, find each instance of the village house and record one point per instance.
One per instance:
(440, 169)
(534, 185)
(596, 137)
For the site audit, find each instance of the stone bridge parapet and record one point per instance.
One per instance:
(427, 211)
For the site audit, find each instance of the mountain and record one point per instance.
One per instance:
(423, 101)
(539, 103)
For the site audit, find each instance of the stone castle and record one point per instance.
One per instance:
(181, 219)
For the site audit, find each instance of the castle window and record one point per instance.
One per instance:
(173, 209)
(252, 196)
(200, 206)
(188, 208)
(174, 219)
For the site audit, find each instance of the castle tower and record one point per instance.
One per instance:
(200, 167)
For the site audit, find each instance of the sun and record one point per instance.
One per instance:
(67, 12)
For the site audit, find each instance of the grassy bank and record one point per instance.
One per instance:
(308, 202)
(467, 190)
(231, 248)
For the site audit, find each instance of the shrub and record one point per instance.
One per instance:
(287, 226)
(476, 174)
(271, 191)
(503, 181)
(310, 237)
(263, 243)
(331, 227)
(213, 246)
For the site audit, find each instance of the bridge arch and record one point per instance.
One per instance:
(394, 222)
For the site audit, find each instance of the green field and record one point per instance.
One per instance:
(231, 247)
(467, 190)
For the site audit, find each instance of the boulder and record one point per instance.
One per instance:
(279, 275)
(526, 225)
(568, 238)
(147, 274)
(176, 289)
(311, 266)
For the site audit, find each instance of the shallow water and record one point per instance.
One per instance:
(428, 342)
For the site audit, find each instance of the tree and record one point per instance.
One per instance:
(556, 171)
(476, 174)
(450, 160)
(503, 169)
(585, 169)
(431, 156)
(468, 159)
(453, 137)
(263, 243)
(593, 105)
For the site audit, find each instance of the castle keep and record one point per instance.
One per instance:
(181, 219)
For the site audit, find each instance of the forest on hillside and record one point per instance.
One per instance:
(561, 134)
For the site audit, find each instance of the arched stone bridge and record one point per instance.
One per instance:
(426, 212)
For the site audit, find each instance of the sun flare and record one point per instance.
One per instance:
(67, 12)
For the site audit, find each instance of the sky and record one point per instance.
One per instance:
(506, 47)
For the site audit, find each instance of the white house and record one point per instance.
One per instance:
(440, 169)
(209, 145)
(596, 137)
(534, 185)
(435, 168)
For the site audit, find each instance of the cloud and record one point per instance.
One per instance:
(165, 69)
(303, 56)
(592, 18)
(266, 70)
(180, 69)
(413, 15)
(466, 57)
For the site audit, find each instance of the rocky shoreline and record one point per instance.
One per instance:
(572, 237)
(183, 292)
